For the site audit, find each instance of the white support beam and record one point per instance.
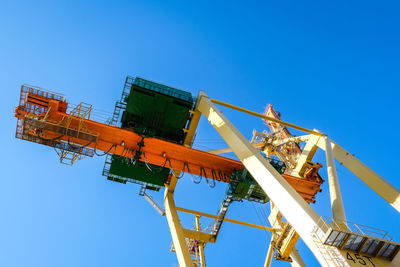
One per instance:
(201, 244)
(177, 232)
(178, 237)
(270, 253)
(275, 219)
(295, 209)
(297, 261)
(382, 187)
(337, 206)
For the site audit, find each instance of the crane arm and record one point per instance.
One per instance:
(43, 118)
(124, 142)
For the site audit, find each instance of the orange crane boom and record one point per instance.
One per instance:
(43, 117)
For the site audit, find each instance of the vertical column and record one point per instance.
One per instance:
(276, 222)
(178, 238)
(270, 253)
(297, 261)
(201, 244)
(338, 213)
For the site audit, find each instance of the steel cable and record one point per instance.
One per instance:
(203, 171)
(108, 151)
(192, 176)
(146, 162)
(172, 170)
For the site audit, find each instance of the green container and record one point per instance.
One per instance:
(152, 109)
(164, 89)
(157, 110)
(138, 172)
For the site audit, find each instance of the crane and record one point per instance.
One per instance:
(148, 141)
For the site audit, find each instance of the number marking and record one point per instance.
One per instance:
(360, 259)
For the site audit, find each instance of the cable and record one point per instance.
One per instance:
(146, 162)
(215, 176)
(172, 170)
(100, 155)
(203, 171)
(192, 176)
(225, 178)
(128, 156)
(131, 157)
(259, 217)
(77, 147)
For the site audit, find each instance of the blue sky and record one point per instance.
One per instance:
(331, 66)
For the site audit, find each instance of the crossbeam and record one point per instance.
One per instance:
(203, 214)
(197, 235)
(268, 118)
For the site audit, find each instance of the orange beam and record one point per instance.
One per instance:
(153, 150)
(156, 151)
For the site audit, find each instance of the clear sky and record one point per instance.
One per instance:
(331, 66)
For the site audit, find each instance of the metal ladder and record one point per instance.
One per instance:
(221, 215)
(121, 105)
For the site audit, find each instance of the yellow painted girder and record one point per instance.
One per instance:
(199, 235)
(266, 117)
(227, 219)
(177, 233)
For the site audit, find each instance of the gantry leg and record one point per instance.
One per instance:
(382, 187)
(178, 238)
(295, 209)
(275, 219)
(270, 253)
(297, 261)
(201, 244)
(334, 188)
